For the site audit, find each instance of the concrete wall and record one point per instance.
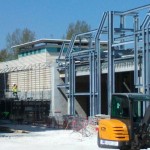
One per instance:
(58, 103)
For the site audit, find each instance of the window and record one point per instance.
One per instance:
(139, 103)
(120, 107)
(58, 49)
(39, 51)
(137, 109)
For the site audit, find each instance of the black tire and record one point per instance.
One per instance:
(125, 148)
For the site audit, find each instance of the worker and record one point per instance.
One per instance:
(15, 90)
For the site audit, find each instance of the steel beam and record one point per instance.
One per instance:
(135, 9)
(110, 59)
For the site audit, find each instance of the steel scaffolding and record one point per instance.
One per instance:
(33, 81)
(33, 100)
(123, 30)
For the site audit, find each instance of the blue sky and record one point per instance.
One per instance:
(50, 18)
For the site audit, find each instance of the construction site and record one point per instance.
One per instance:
(78, 77)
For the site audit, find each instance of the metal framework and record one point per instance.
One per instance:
(122, 31)
(34, 92)
(33, 81)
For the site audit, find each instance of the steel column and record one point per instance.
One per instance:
(136, 50)
(147, 63)
(110, 59)
(98, 53)
(122, 22)
(90, 84)
(143, 61)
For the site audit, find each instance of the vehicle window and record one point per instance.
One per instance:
(137, 109)
(120, 107)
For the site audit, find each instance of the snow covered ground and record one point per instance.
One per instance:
(43, 138)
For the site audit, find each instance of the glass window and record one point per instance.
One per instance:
(137, 109)
(39, 51)
(120, 107)
(139, 103)
(58, 49)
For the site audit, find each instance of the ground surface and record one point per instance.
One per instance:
(43, 138)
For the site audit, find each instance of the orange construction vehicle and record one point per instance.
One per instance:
(129, 123)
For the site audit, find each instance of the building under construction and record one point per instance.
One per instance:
(34, 72)
(79, 76)
(92, 74)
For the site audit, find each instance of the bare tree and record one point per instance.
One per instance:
(18, 37)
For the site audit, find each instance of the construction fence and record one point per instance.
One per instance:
(83, 125)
